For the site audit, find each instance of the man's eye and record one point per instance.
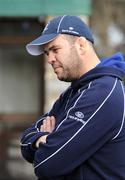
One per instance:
(46, 53)
(55, 50)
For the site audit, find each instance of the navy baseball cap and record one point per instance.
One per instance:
(66, 24)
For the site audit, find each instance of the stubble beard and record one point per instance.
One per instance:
(72, 71)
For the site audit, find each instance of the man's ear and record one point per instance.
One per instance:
(82, 44)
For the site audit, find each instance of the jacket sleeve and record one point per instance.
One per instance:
(87, 126)
(28, 139)
(31, 134)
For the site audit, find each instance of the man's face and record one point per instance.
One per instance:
(64, 58)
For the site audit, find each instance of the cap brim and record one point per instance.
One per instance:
(33, 47)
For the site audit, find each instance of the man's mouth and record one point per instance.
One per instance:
(56, 67)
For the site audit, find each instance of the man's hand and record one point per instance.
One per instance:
(47, 126)
(42, 139)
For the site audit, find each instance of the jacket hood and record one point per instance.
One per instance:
(112, 66)
(116, 61)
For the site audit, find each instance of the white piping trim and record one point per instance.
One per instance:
(72, 108)
(31, 133)
(79, 129)
(27, 136)
(25, 144)
(60, 23)
(89, 85)
(36, 129)
(69, 111)
(36, 126)
(123, 118)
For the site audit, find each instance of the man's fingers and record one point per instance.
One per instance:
(41, 140)
(48, 124)
(53, 121)
(41, 128)
(44, 125)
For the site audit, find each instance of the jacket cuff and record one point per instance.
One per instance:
(34, 139)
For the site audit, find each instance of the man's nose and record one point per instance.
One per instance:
(51, 57)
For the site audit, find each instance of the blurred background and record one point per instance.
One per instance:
(28, 86)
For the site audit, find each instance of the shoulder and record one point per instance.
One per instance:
(105, 87)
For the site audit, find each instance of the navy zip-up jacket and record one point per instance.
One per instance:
(88, 142)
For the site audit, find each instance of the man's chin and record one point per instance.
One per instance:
(64, 79)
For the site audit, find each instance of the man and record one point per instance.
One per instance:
(83, 135)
